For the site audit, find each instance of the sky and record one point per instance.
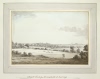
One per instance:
(50, 27)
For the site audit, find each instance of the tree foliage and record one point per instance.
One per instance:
(72, 49)
(86, 48)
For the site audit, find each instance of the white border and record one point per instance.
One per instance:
(48, 7)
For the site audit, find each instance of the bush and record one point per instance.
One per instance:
(16, 52)
(24, 54)
(29, 54)
(67, 50)
(78, 50)
(63, 50)
(84, 55)
(13, 52)
(72, 49)
(86, 48)
(76, 57)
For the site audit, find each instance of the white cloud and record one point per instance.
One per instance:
(77, 30)
(44, 27)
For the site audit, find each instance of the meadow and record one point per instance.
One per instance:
(45, 57)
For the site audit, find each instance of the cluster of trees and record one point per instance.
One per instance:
(20, 45)
(72, 49)
(46, 45)
(83, 54)
(24, 54)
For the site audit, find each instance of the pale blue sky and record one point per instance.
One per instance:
(50, 27)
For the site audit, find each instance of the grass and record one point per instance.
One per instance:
(40, 59)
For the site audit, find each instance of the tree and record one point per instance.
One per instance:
(13, 52)
(78, 50)
(82, 54)
(29, 54)
(16, 52)
(72, 49)
(20, 45)
(63, 50)
(86, 48)
(45, 48)
(24, 54)
(76, 57)
(27, 45)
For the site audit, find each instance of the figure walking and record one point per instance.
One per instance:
(63, 55)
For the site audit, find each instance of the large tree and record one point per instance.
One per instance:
(72, 49)
(86, 48)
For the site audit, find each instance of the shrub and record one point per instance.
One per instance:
(86, 48)
(29, 54)
(67, 50)
(72, 49)
(19, 53)
(76, 57)
(63, 50)
(78, 50)
(84, 55)
(16, 52)
(24, 54)
(13, 52)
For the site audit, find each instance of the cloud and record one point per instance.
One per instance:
(78, 31)
(25, 14)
